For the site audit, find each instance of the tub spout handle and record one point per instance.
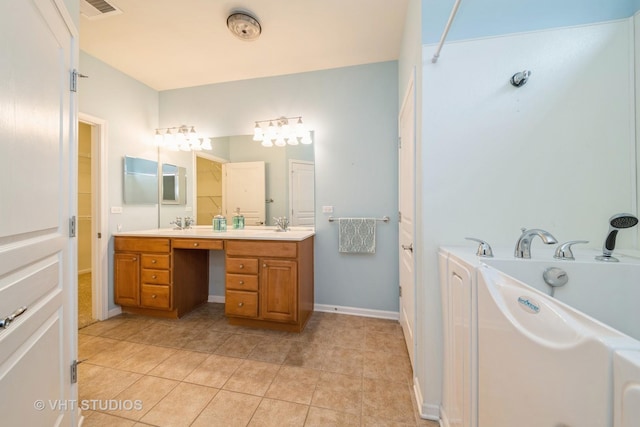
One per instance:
(484, 249)
(564, 250)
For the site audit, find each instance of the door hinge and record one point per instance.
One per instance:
(74, 372)
(399, 216)
(74, 80)
(400, 290)
(72, 226)
(399, 142)
(99, 235)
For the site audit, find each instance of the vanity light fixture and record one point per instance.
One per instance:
(280, 133)
(183, 138)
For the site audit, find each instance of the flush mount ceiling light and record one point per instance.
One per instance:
(244, 26)
(280, 133)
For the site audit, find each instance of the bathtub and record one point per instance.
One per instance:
(515, 356)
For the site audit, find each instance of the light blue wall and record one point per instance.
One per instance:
(353, 112)
(493, 17)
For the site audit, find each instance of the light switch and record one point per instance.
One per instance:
(116, 209)
(327, 209)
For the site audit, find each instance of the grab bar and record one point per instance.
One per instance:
(383, 219)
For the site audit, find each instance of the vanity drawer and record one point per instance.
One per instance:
(242, 265)
(156, 261)
(242, 304)
(262, 248)
(198, 244)
(156, 276)
(241, 282)
(155, 296)
(141, 244)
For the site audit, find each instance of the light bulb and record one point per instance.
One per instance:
(267, 143)
(306, 139)
(271, 131)
(158, 140)
(292, 140)
(206, 144)
(257, 133)
(280, 141)
(300, 129)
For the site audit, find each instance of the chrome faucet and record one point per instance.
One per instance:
(188, 222)
(282, 222)
(178, 223)
(523, 245)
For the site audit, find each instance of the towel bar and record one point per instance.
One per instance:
(384, 219)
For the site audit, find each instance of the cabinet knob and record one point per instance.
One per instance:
(241, 282)
(241, 266)
(134, 259)
(196, 244)
(154, 277)
(153, 261)
(240, 304)
(154, 296)
(264, 265)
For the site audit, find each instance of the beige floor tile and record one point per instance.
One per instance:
(93, 347)
(228, 409)
(387, 366)
(276, 413)
(239, 345)
(379, 422)
(347, 337)
(125, 330)
(252, 377)
(145, 359)
(144, 395)
(383, 325)
(178, 365)
(214, 371)
(99, 328)
(181, 406)
(100, 383)
(306, 355)
(294, 384)
(339, 392)
(321, 417)
(206, 340)
(343, 360)
(380, 341)
(270, 349)
(388, 400)
(116, 353)
(98, 419)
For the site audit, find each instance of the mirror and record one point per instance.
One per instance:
(241, 149)
(174, 185)
(140, 181)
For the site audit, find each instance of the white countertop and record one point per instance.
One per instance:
(206, 232)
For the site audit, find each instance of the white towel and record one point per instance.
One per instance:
(357, 235)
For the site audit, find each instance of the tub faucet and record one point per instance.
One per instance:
(523, 245)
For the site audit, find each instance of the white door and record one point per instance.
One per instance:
(406, 230)
(38, 122)
(301, 193)
(244, 188)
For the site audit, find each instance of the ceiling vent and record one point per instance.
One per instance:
(95, 9)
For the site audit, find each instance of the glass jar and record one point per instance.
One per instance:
(219, 223)
(238, 220)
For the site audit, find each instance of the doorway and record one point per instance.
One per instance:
(91, 223)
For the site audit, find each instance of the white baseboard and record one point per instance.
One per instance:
(355, 311)
(427, 412)
(216, 298)
(86, 270)
(114, 312)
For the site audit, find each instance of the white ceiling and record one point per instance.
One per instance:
(169, 44)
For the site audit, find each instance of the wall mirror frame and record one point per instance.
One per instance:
(174, 184)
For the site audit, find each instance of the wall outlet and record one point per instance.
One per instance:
(188, 209)
(119, 228)
(327, 209)
(116, 209)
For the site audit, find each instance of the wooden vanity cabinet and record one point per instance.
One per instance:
(269, 283)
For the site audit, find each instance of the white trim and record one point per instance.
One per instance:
(99, 247)
(355, 311)
(114, 312)
(427, 412)
(216, 298)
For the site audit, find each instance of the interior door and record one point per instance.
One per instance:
(407, 218)
(301, 193)
(244, 188)
(38, 122)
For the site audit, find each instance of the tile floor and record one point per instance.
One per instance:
(200, 371)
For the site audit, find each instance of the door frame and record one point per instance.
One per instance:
(290, 180)
(194, 179)
(100, 214)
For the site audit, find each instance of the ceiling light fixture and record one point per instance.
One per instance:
(183, 138)
(244, 26)
(280, 133)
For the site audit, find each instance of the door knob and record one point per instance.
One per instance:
(4, 323)
(408, 248)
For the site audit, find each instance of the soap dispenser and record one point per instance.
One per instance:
(238, 220)
(219, 222)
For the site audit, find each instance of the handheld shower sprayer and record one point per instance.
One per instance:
(616, 223)
(520, 78)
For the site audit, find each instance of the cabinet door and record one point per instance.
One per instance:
(279, 290)
(127, 279)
